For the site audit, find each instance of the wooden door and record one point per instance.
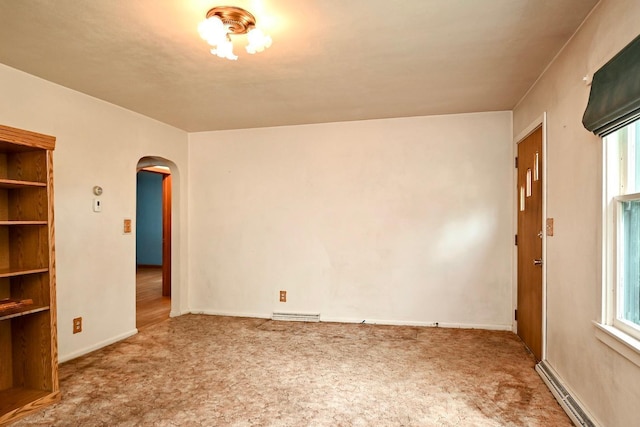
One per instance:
(529, 239)
(166, 235)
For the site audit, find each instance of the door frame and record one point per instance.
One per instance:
(538, 122)
(166, 234)
(166, 225)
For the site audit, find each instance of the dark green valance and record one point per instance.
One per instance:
(614, 100)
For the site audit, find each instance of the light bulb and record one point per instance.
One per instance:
(225, 50)
(257, 41)
(212, 30)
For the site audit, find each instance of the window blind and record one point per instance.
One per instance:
(614, 101)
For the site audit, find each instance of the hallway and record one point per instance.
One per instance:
(151, 306)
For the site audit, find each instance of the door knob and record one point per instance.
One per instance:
(537, 261)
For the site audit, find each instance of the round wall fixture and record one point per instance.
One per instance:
(97, 190)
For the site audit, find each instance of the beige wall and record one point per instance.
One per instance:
(97, 144)
(606, 383)
(392, 221)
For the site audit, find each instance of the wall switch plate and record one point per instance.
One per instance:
(283, 296)
(549, 226)
(126, 227)
(77, 325)
(97, 205)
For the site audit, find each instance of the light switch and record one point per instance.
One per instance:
(97, 205)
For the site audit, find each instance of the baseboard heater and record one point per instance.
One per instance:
(296, 317)
(564, 398)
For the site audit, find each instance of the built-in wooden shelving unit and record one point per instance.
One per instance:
(28, 337)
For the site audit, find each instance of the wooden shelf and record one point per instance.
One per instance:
(20, 222)
(28, 345)
(21, 311)
(15, 400)
(12, 272)
(13, 183)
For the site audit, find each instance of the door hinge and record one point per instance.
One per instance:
(516, 162)
(516, 239)
(515, 314)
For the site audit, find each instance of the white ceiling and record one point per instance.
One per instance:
(331, 60)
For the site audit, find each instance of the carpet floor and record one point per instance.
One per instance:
(198, 370)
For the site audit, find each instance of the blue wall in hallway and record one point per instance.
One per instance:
(149, 219)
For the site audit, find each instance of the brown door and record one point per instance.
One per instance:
(166, 235)
(529, 237)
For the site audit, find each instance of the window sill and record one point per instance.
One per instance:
(619, 341)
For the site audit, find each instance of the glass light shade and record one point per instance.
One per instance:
(213, 31)
(225, 50)
(258, 41)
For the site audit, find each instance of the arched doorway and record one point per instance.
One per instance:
(153, 241)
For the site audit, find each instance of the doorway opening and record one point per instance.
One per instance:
(153, 242)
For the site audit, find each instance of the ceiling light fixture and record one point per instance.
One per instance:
(224, 21)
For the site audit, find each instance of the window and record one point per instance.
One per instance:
(622, 257)
(613, 112)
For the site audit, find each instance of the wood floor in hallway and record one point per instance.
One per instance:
(151, 306)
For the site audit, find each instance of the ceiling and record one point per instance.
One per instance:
(331, 60)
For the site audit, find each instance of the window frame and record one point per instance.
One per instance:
(622, 324)
(621, 335)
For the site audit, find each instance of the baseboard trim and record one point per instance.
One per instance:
(86, 350)
(230, 313)
(490, 327)
(572, 406)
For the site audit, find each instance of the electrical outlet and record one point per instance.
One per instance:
(283, 296)
(77, 325)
